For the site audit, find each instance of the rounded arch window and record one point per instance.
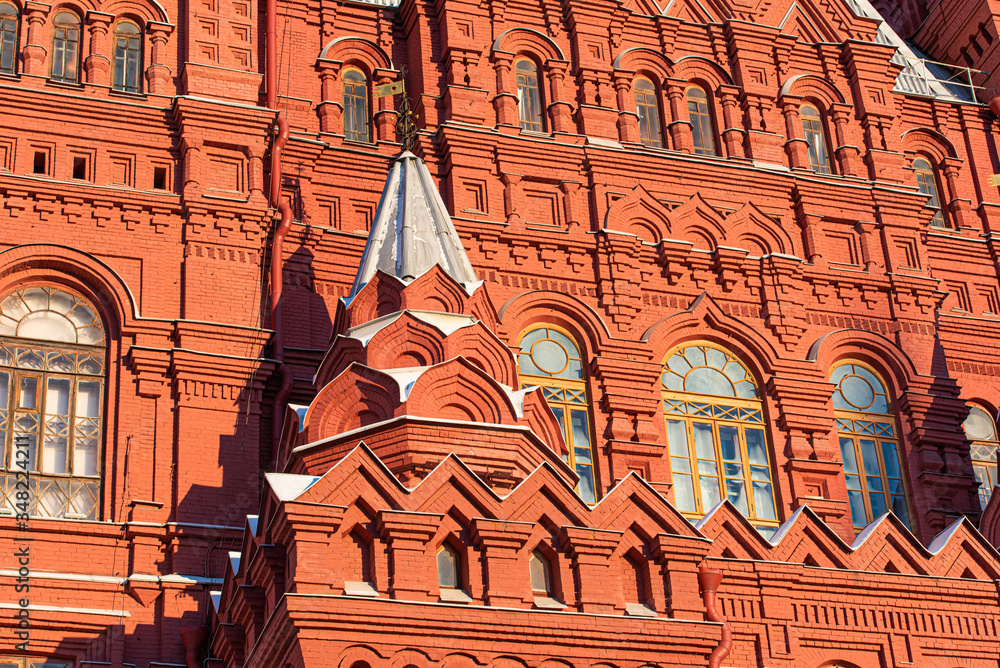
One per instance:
(928, 184)
(529, 95)
(715, 432)
(648, 107)
(66, 47)
(9, 20)
(52, 376)
(981, 429)
(551, 359)
(700, 115)
(815, 136)
(128, 57)
(355, 95)
(869, 444)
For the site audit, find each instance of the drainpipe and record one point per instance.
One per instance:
(281, 231)
(194, 638)
(710, 579)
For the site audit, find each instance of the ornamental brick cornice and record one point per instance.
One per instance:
(305, 522)
(409, 529)
(501, 535)
(586, 543)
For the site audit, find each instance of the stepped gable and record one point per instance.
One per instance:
(885, 545)
(415, 367)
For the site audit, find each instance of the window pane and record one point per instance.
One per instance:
(729, 441)
(57, 397)
(869, 457)
(878, 503)
(88, 399)
(756, 451)
(858, 517)
(710, 492)
(684, 493)
(737, 493)
(447, 564)
(29, 387)
(763, 500)
(704, 441)
(538, 566)
(677, 438)
(587, 489)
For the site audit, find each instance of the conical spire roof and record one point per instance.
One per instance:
(412, 230)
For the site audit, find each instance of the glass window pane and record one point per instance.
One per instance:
(858, 516)
(729, 442)
(684, 493)
(587, 489)
(869, 457)
(581, 432)
(54, 454)
(538, 567)
(756, 450)
(680, 464)
(737, 492)
(899, 510)
(447, 565)
(710, 492)
(763, 501)
(891, 460)
(88, 399)
(57, 397)
(677, 438)
(704, 440)
(878, 503)
(85, 457)
(705, 380)
(29, 387)
(847, 454)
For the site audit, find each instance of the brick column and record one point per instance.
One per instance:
(331, 109)
(959, 208)
(628, 118)
(796, 146)
(507, 580)
(306, 532)
(560, 110)
(97, 66)
(591, 550)
(407, 534)
(680, 126)
(847, 156)
(158, 74)
(732, 120)
(505, 101)
(33, 54)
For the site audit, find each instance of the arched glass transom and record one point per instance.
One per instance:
(8, 38)
(355, 105)
(815, 136)
(551, 359)
(66, 47)
(648, 108)
(981, 429)
(128, 57)
(715, 432)
(869, 445)
(700, 116)
(52, 374)
(529, 95)
(927, 182)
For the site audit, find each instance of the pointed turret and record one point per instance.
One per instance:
(413, 231)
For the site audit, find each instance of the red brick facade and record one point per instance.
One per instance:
(190, 187)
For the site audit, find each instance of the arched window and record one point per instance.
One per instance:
(128, 57)
(8, 38)
(529, 95)
(52, 369)
(715, 431)
(927, 182)
(815, 136)
(981, 429)
(701, 121)
(648, 108)
(541, 575)
(551, 359)
(66, 47)
(449, 566)
(355, 105)
(869, 445)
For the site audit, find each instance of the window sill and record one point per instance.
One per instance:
(360, 589)
(455, 596)
(126, 94)
(65, 85)
(9, 77)
(639, 610)
(546, 603)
